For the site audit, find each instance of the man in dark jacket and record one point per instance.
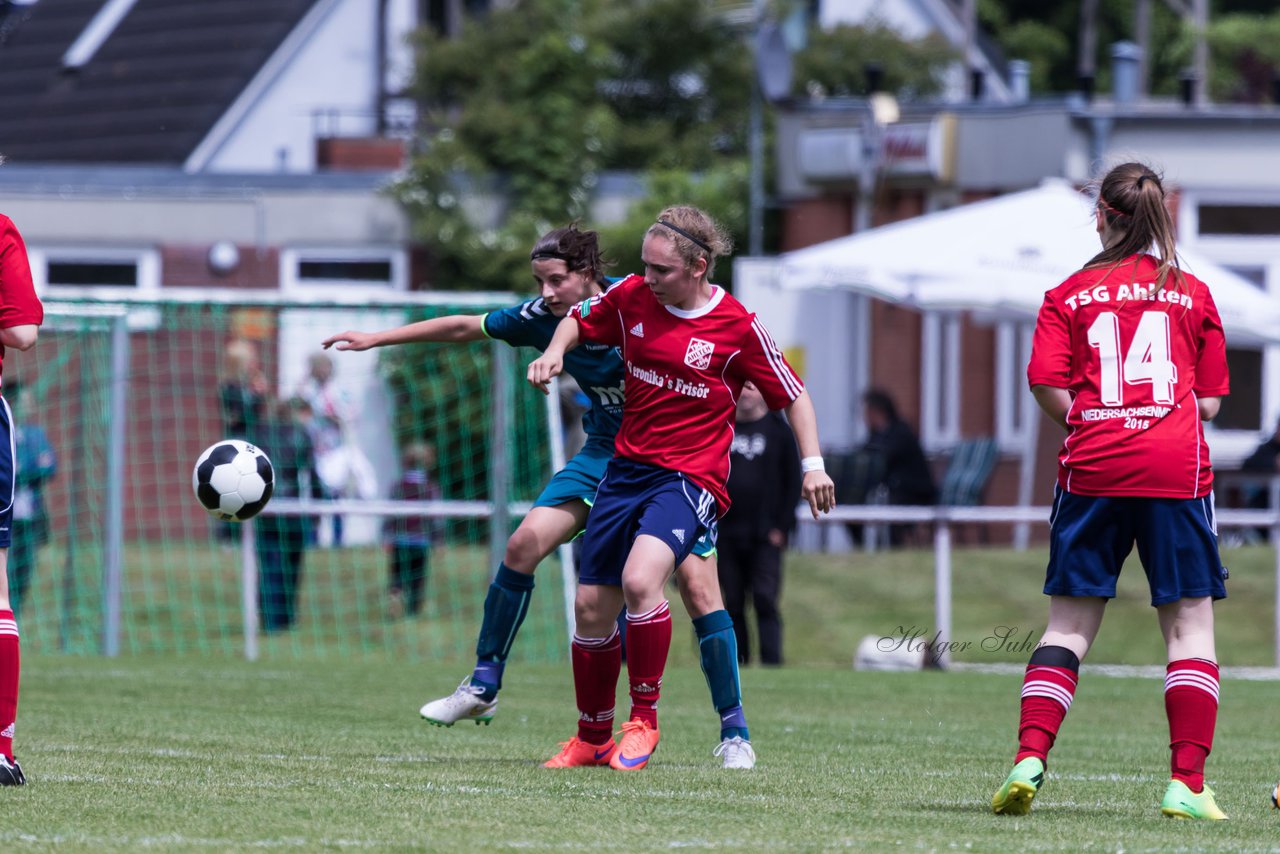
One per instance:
(282, 540)
(895, 457)
(764, 486)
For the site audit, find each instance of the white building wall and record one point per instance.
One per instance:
(328, 65)
(819, 332)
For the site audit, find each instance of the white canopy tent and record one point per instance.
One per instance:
(1000, 255)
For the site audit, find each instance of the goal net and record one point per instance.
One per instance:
(117, 401)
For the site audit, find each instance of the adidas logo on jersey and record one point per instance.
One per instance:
(679, 532)
(638, 330)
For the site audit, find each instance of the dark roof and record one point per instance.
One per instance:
(152, 91)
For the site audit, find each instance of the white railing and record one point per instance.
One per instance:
(943, 518)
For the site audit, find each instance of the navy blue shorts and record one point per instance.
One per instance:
(1090, 536)
(636, 498)
(6, 474)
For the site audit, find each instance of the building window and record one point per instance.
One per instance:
(322, 270)
(95, 273)
(1242, 409)
(92, 273)
(940, 401)
(1236, 220)
(337, 270)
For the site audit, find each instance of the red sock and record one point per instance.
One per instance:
(1046, 695)
(9, 660)
(1191, 702)
(596, 665)
(648, 642)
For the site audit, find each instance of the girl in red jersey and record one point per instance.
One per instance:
(20, 317)
(687, 349)
(1129, 357)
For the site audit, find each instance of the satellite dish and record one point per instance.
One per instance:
(773, 61)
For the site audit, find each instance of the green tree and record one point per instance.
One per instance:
(532, 102)
(1242, 40)
(1246, 57)
(835, 61)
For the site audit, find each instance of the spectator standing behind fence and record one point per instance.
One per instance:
(892, 458)
(36, 464)
(243, 392)
(409, 538)
(1265, 460)
(764, 486)
(243, 396)
(343, 469)
(281, 541)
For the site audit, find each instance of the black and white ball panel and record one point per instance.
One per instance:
(233, 480)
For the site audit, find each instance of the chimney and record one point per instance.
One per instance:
(1126, 59)
(977, 84)
(1187, 87)
(874, 74)
(1020, 80)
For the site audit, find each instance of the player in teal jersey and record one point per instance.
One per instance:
(568, 268)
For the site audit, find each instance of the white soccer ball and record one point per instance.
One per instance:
(233, 480)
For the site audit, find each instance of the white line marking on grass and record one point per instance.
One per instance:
(174, 839)
(1124, 671)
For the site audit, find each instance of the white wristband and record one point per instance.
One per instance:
(809, 464)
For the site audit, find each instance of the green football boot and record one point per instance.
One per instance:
(1014, 797)
(1181, 802)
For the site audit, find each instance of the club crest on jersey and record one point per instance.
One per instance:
(698, 355)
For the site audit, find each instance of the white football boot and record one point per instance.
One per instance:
(463, 704)
(736, 753)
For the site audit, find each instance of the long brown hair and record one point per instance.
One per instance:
(1132, 200)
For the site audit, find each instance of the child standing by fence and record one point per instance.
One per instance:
(409, 538)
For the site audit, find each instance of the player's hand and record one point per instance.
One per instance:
(351, 340)
(543, 368)
(777, 538)
(819, 490)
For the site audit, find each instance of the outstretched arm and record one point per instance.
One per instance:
(444, 330)
(817, 487)
(551, 362)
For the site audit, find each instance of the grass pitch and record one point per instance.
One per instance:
(194, 754)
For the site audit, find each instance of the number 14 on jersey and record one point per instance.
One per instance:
(1146, 360)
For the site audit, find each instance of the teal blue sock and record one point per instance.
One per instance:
(504, 610)
(718, 652)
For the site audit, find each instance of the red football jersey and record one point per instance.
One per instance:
(18, 302)
(684, 371)
(1135, 360)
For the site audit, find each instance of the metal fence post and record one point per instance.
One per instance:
(499, 452)
(249, 588)
(117, 429)
(942, 590)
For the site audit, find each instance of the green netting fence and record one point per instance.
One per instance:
(128, 394)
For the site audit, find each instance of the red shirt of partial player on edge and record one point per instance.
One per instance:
(18, 303)
(1135, 359)
(684, 371)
